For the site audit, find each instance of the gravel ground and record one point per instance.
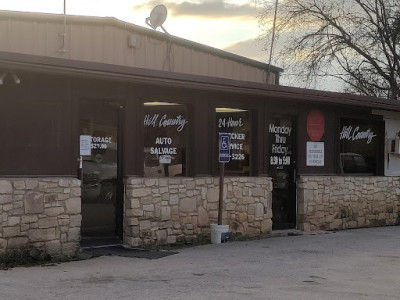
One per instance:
(352, 264)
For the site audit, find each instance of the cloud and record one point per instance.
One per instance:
(210, 9)
(251, 48)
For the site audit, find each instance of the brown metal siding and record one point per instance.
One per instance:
(35, 122)
(104, 43)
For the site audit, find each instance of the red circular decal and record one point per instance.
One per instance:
(315, 125)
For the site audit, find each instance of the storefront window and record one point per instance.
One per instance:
(358, 146)
(237, 124)
(165, 136)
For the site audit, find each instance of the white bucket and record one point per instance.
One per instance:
(219, 233)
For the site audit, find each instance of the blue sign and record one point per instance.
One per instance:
(224, 148)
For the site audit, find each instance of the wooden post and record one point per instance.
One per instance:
(221, 192)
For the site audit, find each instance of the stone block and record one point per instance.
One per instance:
(162, 237)
(13, 221)
(53, 247)
(257, 192)
(148, 207)
(5, 187)
(31, 184)
(19, 185)
(237, 192)
(308, 196)
(26, 219)
(50, 198)
(34, 203)
(252, 231)
(63, 222)
(69, 249)
(74, 234)
(251, 209)
(54, 211)
(133, 203)
(174, 199)
(137, 212)
(266, 226)
(259, 212)
(144, 225)
(76, 192)
(73, 206)
(165, 213)
(11, 231)
(230, 206)
(187, 205)
(147, 200)
(132, 222)
(3, 245)
(171, 239)
(64, 182)
(203, 218)
(48, 222)
(248, 200)
(138, 193)
(379, 196)
(4, 199)
(213, 194)
(212, 206)
(352, 224)
(17, 242)
(39, 235)
(75, 221)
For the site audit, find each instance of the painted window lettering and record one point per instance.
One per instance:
(280, 150)
(100, 142)
(229, 122)
(152, 120)
(236, 124)
(350, 134)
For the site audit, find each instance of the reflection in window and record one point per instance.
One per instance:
(237, 124)
(358, 146)
(165, 135)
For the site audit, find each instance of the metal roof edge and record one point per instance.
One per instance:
(157, 77)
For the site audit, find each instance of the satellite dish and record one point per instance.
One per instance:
(157, 17)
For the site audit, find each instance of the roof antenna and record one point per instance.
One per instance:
(157, 17)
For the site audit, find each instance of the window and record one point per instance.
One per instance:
(358, 146)
(165, 139)
(237, 124)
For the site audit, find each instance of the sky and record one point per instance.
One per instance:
(230, 25)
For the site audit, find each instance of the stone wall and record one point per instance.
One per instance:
(44, 213)
(341, 202)
(174, 210)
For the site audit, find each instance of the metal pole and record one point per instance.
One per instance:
(221, 192)
(272, 41)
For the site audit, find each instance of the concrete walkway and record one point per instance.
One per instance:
(353, 264)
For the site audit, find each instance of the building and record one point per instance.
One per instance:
(110, 129)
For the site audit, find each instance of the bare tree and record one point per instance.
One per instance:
(355, 41)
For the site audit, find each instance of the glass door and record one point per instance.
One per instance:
(99, 173)
(282, 169)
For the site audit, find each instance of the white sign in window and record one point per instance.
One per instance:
(315, 154)
(85, 143)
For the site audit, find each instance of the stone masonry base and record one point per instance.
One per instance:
(43, 213)
(341, 202)
(172, 210)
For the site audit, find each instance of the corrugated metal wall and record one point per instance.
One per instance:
(41, 34)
